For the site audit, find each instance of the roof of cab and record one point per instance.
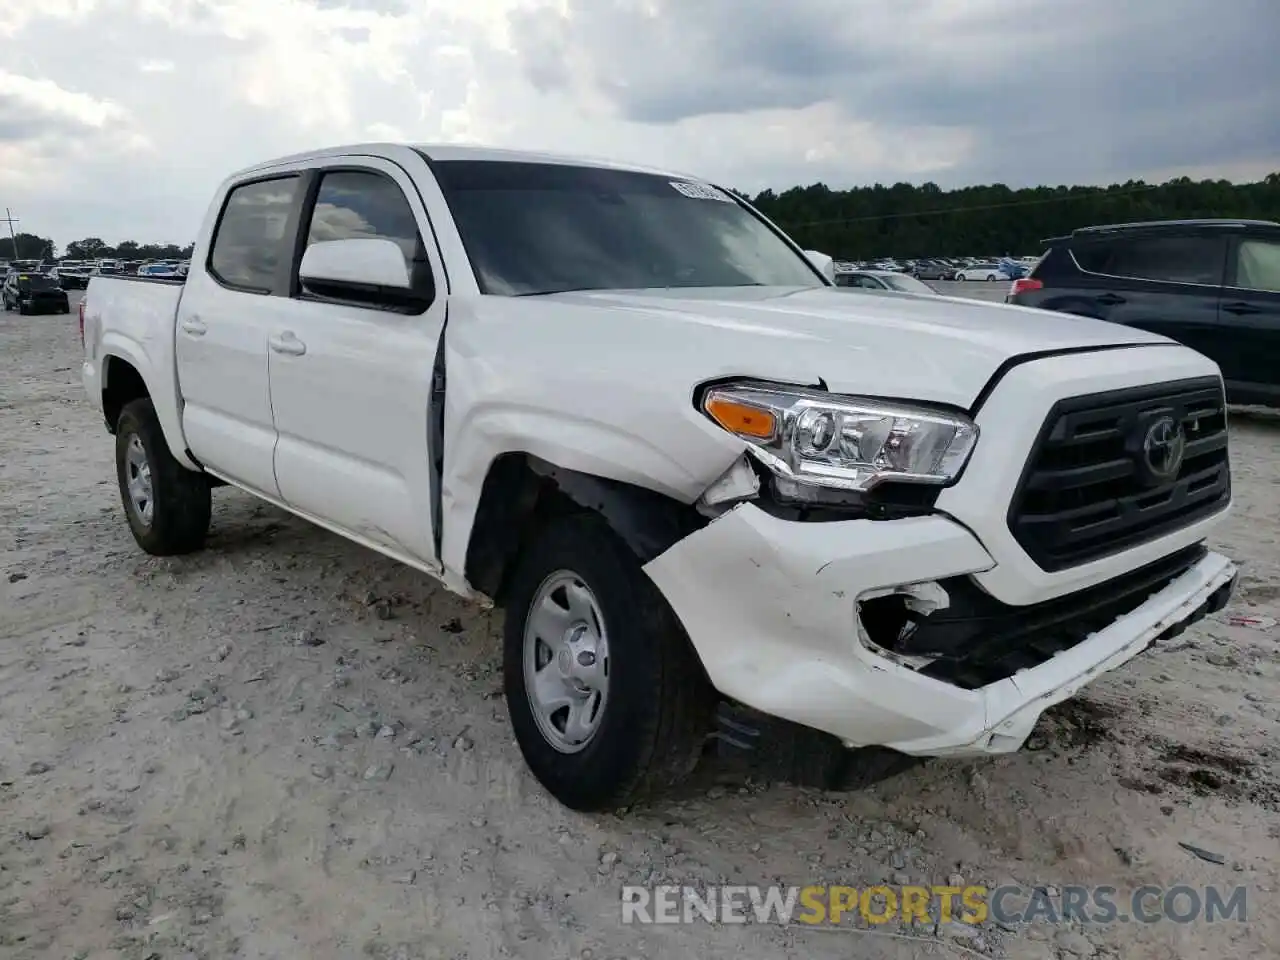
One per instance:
(455, 151)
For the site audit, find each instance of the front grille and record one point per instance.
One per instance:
(1088, 489)
(978, 640)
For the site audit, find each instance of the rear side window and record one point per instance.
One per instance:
(354, 204)
(1189, 259)
(250, 242)
(1258, 265)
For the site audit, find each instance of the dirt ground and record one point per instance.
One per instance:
(287, 747)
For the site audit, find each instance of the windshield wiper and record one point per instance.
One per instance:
(547, 293)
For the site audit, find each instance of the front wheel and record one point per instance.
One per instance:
(167, 505)
(607, 699)
(959, 277)
(991, 278)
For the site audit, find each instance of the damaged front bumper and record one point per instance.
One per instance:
(773, 608)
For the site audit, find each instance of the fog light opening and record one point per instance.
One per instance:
(887, 618)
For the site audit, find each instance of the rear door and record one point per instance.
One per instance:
(351, 381)
(1249, 314)
(224, 317)
(1169, 284)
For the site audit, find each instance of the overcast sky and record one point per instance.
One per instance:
(119, 117)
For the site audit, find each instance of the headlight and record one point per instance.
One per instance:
(816, 439)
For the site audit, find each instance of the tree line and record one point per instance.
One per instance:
(906, 220)
(903, 220)
(32, 247)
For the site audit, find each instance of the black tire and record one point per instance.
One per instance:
(22, 309)
(658, 711)
(181, 498)
(959, 278)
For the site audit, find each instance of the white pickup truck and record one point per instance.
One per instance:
(622, 405)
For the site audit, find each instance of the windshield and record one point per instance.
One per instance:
(36, 281)
(907, 284)
(533, 228)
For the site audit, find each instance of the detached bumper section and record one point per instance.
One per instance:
(813, 622)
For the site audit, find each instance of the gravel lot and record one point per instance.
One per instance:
(287, 746)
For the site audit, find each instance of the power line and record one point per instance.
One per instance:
(1129, 191)
(8, 218)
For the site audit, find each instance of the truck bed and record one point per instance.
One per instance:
(140, 316)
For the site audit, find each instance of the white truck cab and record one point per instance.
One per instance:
(622, 405)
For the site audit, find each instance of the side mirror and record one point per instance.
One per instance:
(367, 264)
(826, 266)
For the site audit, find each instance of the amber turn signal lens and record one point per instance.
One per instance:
(742, 418)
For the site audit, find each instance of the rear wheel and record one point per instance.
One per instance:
(991, 278)
(607, 699)
(167, 505)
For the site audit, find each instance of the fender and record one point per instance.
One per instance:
(571, 446)
(162, 390)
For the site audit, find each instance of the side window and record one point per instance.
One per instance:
(1258, 265)
(356, 204)
(1170, 259)
(250, 241)
(1093, 257)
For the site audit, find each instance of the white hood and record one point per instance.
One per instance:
(934, 349)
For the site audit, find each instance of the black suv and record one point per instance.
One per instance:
(1211, 284)
(33, 293)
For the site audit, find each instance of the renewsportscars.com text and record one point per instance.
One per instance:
(821, 905)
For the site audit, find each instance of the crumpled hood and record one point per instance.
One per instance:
(935, 349)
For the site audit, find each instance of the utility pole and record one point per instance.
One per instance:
(8, 218)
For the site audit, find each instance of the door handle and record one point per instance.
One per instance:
(288, 344)
(194, 326)
(1240, 307)
(1109, 299)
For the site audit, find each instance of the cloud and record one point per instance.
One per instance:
(119, 117)
(44, 126)
(1046, 91)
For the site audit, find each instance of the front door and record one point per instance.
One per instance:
(224, 318)
(351, 382)
(1166, 284)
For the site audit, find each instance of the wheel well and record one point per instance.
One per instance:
(122, 384)
(522, 493)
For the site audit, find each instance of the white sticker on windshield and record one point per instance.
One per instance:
(700, 191)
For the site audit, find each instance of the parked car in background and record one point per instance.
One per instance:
(33, 293)
(989, 272)
(883, 280)
(933, 270)
(73, 274)
(107, 268)
(1013, 269)
(162, 269)
(1211, 284)
(689, 473)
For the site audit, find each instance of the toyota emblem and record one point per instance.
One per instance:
(1163, 449)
